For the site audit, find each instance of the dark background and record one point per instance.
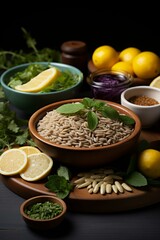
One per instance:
(104, 25)
(116, 26)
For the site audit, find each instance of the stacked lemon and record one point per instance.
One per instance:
(141, 64)
(29, 162)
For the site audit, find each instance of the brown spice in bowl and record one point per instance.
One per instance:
(143, 100)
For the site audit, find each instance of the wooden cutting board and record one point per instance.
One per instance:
(81, 201)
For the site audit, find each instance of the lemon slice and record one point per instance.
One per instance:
(29, 149)
(12, 161)
(39, 166)
(155, 82)
(41, 81)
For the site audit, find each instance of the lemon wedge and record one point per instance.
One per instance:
(155, 82)
(41, 81)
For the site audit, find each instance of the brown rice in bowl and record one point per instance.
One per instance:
(69, 140)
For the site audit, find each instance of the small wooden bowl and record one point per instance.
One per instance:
(43, 224)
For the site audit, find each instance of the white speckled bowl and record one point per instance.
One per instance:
(149, 115)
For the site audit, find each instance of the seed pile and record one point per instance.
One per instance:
(143, 100)
(103, 181)
(73, 130)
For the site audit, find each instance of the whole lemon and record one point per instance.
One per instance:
(149, 163)
(128, 54)
(105, 57)
(123, 66)
(146, 65)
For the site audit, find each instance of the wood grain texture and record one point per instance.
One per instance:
(81, 201)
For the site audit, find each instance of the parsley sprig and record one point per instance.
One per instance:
(13, 130)
(91, 106)
(33, 54)
(60, 183)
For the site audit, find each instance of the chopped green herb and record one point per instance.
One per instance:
(24, 76)
(43, 210)
(64, 81)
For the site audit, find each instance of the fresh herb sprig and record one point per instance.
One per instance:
(33, 54)
(13, 130)
(60, 183)
(91, 106)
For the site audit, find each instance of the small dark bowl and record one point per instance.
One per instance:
(84, 157)
(43, 224)
(109, 84)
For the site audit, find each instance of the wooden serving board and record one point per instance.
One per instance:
(81, 201)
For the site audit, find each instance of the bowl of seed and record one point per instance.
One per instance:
(85, 132)
(145, 102)
(43, 212)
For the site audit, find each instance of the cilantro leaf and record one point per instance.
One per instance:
(64, 172)
(59, 185)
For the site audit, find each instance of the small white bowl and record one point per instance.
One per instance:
(149, 115)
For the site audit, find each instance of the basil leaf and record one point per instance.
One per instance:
(109, 112)
(127, 120)
(70, 108)
(92, 120)
(87, 102)
(136, 179)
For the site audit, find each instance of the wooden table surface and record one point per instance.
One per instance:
(134, 224)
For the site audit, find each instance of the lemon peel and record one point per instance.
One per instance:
(41, 81)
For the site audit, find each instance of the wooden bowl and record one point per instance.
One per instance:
(41, 224)
(80, 156)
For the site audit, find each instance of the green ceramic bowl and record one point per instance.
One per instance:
(30, 102)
